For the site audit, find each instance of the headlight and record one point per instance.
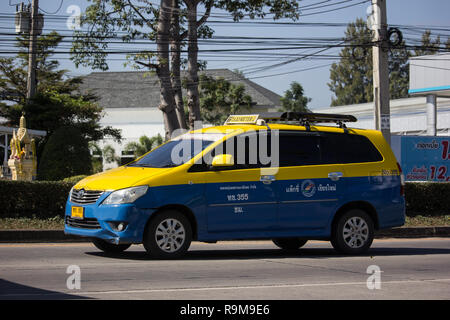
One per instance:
(128, 195)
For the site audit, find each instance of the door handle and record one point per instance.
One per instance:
(335, 176)
(267, 179)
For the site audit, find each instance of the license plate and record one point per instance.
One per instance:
(78, 212)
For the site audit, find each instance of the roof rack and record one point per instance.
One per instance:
(304, 118)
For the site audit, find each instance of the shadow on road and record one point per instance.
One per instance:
(314, 253)
(15, 291)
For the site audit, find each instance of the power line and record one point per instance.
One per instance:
(336, 9)
(273, 44)
(317, 6)
(52, 13)
(294, 71)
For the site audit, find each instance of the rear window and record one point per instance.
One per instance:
(348, 148)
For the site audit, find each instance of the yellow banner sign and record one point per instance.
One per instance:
(242, 119)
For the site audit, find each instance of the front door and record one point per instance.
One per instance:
(243, 197)
(243, 205)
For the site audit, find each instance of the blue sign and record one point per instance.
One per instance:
(425, 158)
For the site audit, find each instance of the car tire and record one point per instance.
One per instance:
(110, 247)
(168, 235)
(353, 232)
(289, 243)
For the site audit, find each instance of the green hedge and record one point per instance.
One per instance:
(427, 198)
(42, 199)
(45, 199)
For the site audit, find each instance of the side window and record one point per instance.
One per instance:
(348, 148)
(244, 148)
(246, 151)
(299, 149)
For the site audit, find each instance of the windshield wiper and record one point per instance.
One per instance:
(140, 165)
(150, 166)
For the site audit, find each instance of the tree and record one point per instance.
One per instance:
(58, 101)
(140, 19)
(13, 71)
(109, 155)
(219, 98)
(428, 46)
(106, 154)
(238, 9)
(351, 80)
(66, 154)
(398, 67)
(96, 157)
(294, 99)
(175, 52)
(144, 145)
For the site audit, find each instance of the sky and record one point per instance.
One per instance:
(312, 74)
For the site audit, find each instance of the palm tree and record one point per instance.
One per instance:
(144, 145)
(109, 153)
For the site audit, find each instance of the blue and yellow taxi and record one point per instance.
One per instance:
(281, 177)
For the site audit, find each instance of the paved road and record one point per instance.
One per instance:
(410, 269)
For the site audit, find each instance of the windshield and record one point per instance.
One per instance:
(177, 151)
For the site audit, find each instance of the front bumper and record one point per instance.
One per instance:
(134, 217)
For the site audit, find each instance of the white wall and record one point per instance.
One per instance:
(408, 116)
(134, 123)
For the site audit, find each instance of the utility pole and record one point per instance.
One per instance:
(380, 69)
(31, 78)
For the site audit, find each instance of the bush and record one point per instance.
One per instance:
(65, 154)
(40, 199)
(427, 198)
(47, 199)
(75, 179)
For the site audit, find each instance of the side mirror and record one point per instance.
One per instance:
(223, 160)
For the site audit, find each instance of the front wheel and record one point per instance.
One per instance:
(289, 243)
(353, 233)
(110, 247)
(168, 235)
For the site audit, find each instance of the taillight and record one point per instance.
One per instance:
(402, 180)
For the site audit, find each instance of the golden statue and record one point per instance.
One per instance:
(22, 161)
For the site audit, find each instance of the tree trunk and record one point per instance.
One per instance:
(175, 49)
(192, 78)
(167, 101)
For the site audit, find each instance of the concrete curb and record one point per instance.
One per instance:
(38, 236)
(9, 236)
(414, 232)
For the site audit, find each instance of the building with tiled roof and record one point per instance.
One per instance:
(130, 100)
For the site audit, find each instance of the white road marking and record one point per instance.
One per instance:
(141, 291)
(237, 242)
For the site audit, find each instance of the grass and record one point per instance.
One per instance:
(54, 223)
(57, 223)
(427, 221)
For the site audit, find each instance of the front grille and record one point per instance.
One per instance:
(85, 196)
(86, 223)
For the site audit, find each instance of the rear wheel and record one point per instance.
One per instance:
(110, 247)
(353, 233)
(168, 235)
(289, 243)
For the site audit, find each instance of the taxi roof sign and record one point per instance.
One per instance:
(242, 119)
(304, 118)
